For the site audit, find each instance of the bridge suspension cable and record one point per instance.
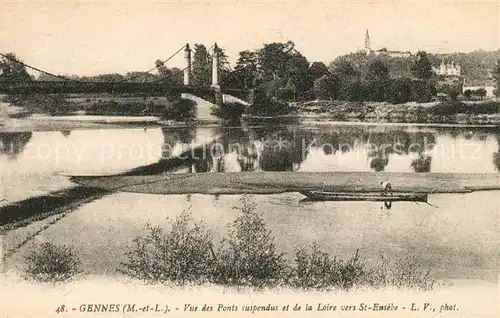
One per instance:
(154, 68)
(37, 69)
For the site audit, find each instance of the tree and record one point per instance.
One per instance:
(273, 59)
(11, 69)
(496, 77)
(109, 78)
(377, 80)
(400, 91)
(47, 78)
(140, 77)
(351, 87)
(246, 68)
(423, 91)
(317, 70)
(224, 68)
(172, 76)
(326, 87)
(299, 75)
(422, 67)
(202, 66)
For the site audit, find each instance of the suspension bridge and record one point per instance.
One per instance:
(213, 93)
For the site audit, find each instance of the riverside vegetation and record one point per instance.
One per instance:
(279, 76)
(247, 257)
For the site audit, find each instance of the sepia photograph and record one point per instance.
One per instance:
(243, 158)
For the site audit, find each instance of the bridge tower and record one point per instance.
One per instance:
(187, 69)
(215, 67)
(215, 76)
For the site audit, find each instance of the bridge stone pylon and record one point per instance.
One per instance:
(188, 67)
(215, 67)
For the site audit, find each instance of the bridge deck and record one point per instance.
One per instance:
(55, 87)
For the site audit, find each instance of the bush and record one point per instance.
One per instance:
(55, 104)
(184, 254)
(467, 94)
(454, 107)
(318, 271)
(248, 257)
(267, 106)
(405, 272)
(114, 108)
(481, 92)
(448, 108)
(180, 110)
(230, 113)
(51, 263)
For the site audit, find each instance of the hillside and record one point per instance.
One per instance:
(476, 66)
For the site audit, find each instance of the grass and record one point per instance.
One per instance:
(248, 257)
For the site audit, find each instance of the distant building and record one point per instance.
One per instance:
(487, 85)
(393, 53)
(383, 51)
(447, 69)
(367, 43)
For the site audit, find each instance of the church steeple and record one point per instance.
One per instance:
(367, 42)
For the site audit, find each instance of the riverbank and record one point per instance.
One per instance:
(448, 112)
(484, 113)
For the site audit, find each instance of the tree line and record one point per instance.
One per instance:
(278, 73)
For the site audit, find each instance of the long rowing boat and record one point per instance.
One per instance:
(314, 196)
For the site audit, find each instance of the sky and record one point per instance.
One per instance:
(93, 37)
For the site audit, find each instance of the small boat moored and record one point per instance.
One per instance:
(320, 195)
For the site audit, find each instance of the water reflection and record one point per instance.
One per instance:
(338, 148)
(66, 133)
(422, 163)
(496, 155)
(13, 144)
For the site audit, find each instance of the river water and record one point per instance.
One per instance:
(457, 235)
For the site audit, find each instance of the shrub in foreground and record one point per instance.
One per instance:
(317, 270)
(184, 254)
(249, 257)
(51, 262)
(405, 272)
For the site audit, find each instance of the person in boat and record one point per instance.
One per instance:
(386, 188)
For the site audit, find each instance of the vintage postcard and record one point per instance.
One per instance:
(249, 158)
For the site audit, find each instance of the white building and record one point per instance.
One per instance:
(383, 51)
(447, 69)
(393, 53)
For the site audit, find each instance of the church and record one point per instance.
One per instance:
(383, 51)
